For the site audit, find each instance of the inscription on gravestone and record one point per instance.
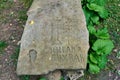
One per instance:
(56, 39)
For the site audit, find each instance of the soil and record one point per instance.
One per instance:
(11, 29)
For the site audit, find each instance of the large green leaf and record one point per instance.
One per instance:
(95, 7)
(102, 61)
(103, 13)
(102, 33)
(93, 59)
(98, 60)
(93, 68)
(100, 9)
(100, 2)
(91, 29)
(103, 46)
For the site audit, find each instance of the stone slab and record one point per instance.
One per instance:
(55, 37)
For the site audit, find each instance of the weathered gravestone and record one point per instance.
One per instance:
(55, 37)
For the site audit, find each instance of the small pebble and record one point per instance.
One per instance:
(12, 13)
(14, 40)
(115, 50)
(6, 60)
(49, 58)
(110, 74)
(10, 24)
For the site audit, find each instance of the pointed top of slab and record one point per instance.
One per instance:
(40, 4)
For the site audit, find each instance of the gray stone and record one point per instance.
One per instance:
(55, 37)
(55, 75)
(75, 75)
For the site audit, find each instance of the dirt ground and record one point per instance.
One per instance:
(10, 31)
(12, 21)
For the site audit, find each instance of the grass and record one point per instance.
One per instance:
(27, 2)
(6, 12)
(15, 55)
(25, 77)
(22, 16)
(113, 22)
(5, 6)
(14, 58)
(3, 44)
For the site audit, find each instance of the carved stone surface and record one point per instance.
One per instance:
(55, 37)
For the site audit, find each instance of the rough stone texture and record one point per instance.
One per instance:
(55, 37)
(55, 75)
(75, 75)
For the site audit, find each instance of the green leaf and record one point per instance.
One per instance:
(2, 44)
(43, 79)
(95, 19)
(100, 9)
(103, 13)
(88, 61)
(25, 77)
(62, 78)
(102, 61)
(100, 2)
(94, 7)
(93, 68)
(91, 1)
(102, 33)
(27, 2)
(103, 46)
(88, 14)
(93, 59)
(91, 29)
(99, 39)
